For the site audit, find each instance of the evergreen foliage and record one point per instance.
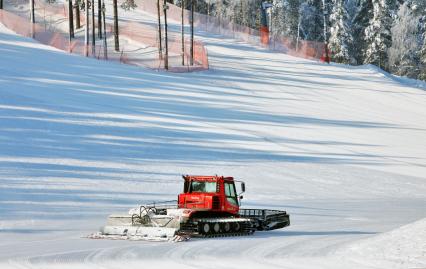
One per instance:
(341, 40)
(128, 4)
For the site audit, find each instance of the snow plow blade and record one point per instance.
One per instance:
(139, 232)
(139, 227)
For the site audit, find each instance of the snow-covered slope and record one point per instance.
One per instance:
(404, 247)
(342, 149)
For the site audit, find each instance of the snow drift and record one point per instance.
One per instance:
(404, 247)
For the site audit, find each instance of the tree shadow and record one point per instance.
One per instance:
(93, 120)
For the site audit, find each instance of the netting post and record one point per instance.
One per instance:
(32, 13)
(192, 34)
(160, 47)
(32, 18)
(116, 41)
(77, 14)
(86, 30)
(105, 35)
(93, 29)
(71, 19)
(182, 3)
(166, 58)
(99, 19)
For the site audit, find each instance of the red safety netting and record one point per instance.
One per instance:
(22, 27)
(225, 27)
(39, 32)
(141, 41)
(148, 35)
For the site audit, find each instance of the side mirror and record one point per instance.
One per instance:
(243, 186)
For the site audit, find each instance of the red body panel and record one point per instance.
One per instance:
(212, 201)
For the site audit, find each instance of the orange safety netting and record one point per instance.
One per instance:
(143, 40)
(147, 36)
(39, 32)
(22, 27)
(174, 13)
(225, 27)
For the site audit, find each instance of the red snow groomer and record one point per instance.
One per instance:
(208, 207)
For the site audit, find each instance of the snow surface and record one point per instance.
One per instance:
(403, 247)
(342, 149)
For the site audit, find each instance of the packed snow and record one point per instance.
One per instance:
(404, 247)
(342, 149)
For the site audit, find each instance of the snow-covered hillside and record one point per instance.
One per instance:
(403, 247)
(342, 149)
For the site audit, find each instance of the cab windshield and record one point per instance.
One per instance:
(203, 186)
(231, 195)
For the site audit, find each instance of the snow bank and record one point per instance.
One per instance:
(404, 247)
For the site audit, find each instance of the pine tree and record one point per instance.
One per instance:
(238, 13)
(291, 18)
(378, 34)
(422, 73)
(221, 9)
(256, 14)
(422, 54)
(311, 21)
(341, 41)
(360, 22)
(277, 17)
(201, 6)
(351, 8)
(404, 57)
(128, 4)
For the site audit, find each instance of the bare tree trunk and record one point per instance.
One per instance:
(99, 19)
(71, 19)
(32, 18)
(105, 35)
(93, 29)
(182, 3)
(192, 34)
(77, 14)
(325, 12)
(116, 35)
(208, 16)
(160, 47)
(298, 33)
(32, 14)
(86, 35)
(166, 58)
